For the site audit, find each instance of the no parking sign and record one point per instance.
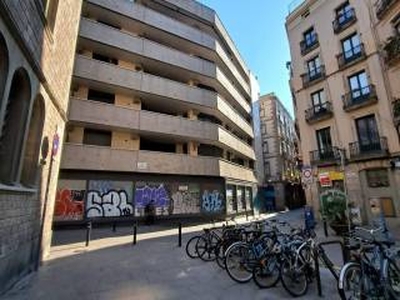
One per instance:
(306, 175)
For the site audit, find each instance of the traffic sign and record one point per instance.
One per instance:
(56, 144)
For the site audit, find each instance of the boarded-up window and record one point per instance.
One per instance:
(388, 207)
(97, 137)
(377, 178)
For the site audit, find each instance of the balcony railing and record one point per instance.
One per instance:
(344, 20)
(392, 50)
(360, 98)
(331, 155)
(309, 44)
(359, 150)
(396, 112)
(313, 76)
(319, 112)
(351, 56)
(383, 6)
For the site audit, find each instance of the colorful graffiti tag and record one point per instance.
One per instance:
(69, 204)
(145, 192)
(109, 199)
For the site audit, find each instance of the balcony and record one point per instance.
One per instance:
(325, 157)
(97, 158)
(383, 6)
(344, 21)
(396, 112)
(392, 50)
(361, 151)
(313, 76)
(319, 113)
(307, 46)
(360, 98)
(351, 57)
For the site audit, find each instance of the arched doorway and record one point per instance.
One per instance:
(3, 69)
(14, 124)
(32, 147)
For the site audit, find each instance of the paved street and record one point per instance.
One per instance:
(155, 268)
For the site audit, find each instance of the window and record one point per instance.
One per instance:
(359, 85)
(265, 147)
(104, 58)
(351, 46)
(324, 141)
(310, 37)
(344, 13)
(368, 135)
(97, 137)
(101, 96)
(318, 101)
(314, 67)
(377, 178)
(267, 169)
(50, 11)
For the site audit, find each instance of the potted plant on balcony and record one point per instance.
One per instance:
(334, 210)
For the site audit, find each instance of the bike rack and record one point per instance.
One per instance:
(316, 261)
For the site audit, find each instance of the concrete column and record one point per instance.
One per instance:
(193, 148)
(192, 82)
(128, 101)
(192, 114)
(75, 134)
(125, 141)
(179, 148)
(82, 92)
(87, 53)
(126, 64)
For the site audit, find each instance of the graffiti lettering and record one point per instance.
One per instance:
(69, 204)
(156, 193)
(185, 203)
(212, 201)
(110, 204)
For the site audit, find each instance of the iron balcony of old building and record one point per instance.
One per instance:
(328, 156)
(309, 44)
(392, 50)
(313, 76)
(383, 6)
(319, 112)
(360, 98)
(369, 150)
(350, 57)
(396, 112)
(344, 20)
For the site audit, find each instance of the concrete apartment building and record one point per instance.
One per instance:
(345, 80)
(160, 110)
(276, 150)
(37, 42)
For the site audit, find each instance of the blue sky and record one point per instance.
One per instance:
(258, 29)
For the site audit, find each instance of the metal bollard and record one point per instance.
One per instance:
(114, 226)
(180, 235)
(134, 233)
(88, 232)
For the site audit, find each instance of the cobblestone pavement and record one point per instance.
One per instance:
(155, 268)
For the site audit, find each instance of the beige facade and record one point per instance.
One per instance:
(344, 88)
(37, 42)
(159, 91)
(275, 145)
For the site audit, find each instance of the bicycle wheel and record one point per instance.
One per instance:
(350, 282)
(392, 274)
(294, 279)
(267, 273)
(237, 262)
(220, 253)
(205, 249)
(191, 250)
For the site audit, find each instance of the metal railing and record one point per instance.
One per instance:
(308, 45)
(347, 57)
(319, 111)
(331, 154)
(392, 49)
(360, 149)
(383, 6)
(344, 20)
(313, 75)
(358, 97)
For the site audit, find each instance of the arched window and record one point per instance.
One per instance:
(3, 69)
(32, 147)
(14, 124)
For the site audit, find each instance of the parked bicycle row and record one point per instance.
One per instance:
(273, 251)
